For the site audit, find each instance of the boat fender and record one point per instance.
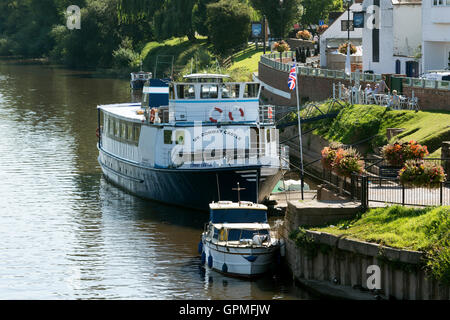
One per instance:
(203, 258)
(152, 115)
(241, 112)
(200, 247)
(224, 268)
(210, 261)
(211, 118)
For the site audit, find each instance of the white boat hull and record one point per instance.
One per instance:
(239, 261)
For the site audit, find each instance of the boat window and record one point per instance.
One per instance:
(171, 92)
(209, 91)
(230, 91)
(130, 132)
(137, 133)
(251, 90)
(123, 130)
(185, 91)
(167, 136)
(116, 128)
(216, 233)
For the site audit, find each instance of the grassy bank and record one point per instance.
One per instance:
(426, 230)
(359, 122)
(197, 57)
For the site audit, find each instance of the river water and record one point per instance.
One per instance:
(66, 233)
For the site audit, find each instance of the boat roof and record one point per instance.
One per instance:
(236, 205)
(246, 226)
(206, 76)
(126, 111)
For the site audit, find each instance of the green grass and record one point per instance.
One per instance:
(358, 122)
(398, 227)
(187, 53)
(426, 230)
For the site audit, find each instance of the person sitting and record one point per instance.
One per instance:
(395, 100)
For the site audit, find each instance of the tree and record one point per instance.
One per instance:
(228, 24)
(174, 19)
(280, 14)
(199, 16)
(315, 10)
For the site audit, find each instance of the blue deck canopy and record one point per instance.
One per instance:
(238, 215)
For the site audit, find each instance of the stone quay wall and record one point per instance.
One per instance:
(341, 262)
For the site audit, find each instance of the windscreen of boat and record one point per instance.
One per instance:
(238, 234)
(238, 216)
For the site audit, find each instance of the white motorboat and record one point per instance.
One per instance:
(238, 240)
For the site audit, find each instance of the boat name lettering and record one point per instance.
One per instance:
(217, 131)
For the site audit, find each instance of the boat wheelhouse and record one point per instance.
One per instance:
(238, 240)
(190, 142)
(138, 79)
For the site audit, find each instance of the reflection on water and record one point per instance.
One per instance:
(68, 234)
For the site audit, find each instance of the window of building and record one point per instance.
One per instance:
(441, 2)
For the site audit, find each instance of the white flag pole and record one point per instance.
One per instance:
(299, 128)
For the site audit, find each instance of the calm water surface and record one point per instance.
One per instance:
(66, 233)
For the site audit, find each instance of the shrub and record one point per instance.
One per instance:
(304, 35)
(124, 56)
(422, 174)
(229, 24)
(343, 48)
(397, 154)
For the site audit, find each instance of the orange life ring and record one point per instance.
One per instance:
(218, 110)
(152, 115)
(270, 113)
(230, 114)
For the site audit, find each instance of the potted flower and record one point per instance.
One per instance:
(304, 35)
(281, 47)
(398, 153)
(348, 162)
(321, 29)
(343, 48)
(328, 157)
(421, 174)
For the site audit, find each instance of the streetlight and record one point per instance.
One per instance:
(349, 3)
(281, 21)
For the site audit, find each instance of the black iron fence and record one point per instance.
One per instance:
(381, 183)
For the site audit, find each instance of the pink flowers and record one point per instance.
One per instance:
(420, 173)
(397, 154)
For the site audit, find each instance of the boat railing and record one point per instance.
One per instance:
(268, 155)
(267, 114)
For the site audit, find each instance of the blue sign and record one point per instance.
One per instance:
(256, 30)
(321, 22)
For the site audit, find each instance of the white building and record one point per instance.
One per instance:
(436, 35)
(392, 36)
(333, 37)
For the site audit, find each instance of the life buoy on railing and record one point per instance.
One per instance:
(270, 113)
(241, 113)
(211, 118)
(152, 115)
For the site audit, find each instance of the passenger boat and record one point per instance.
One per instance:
(189, 141)
(238, 240)
(138, 79)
